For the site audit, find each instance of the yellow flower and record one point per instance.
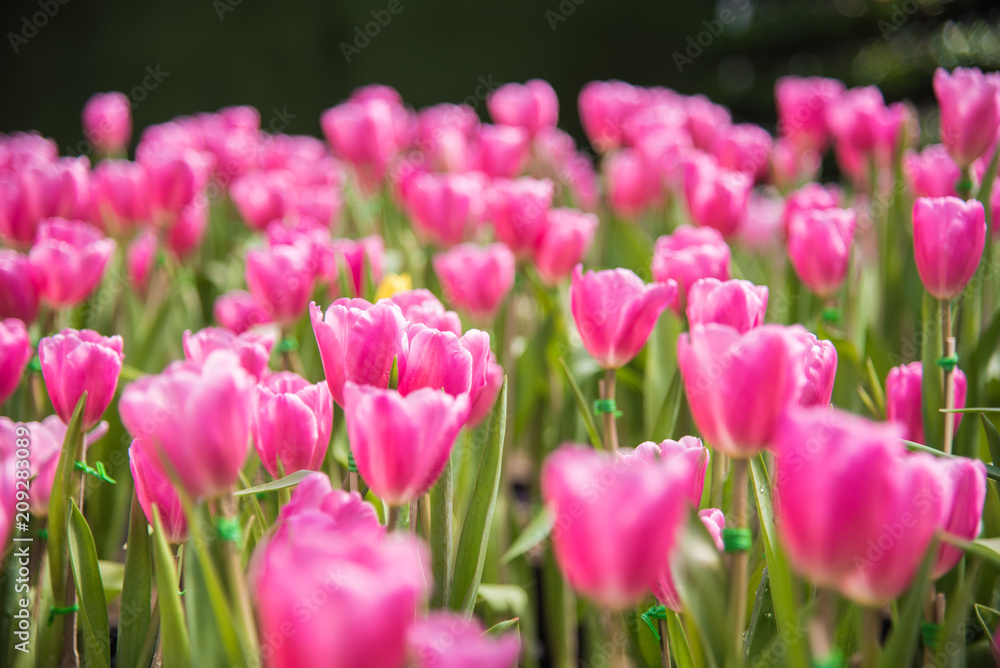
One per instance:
(393, 283)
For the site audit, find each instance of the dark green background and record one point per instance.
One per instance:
(287, 55)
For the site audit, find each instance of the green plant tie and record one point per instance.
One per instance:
(655, 612)
(43, 533)
(831, 315)
(948, 363)
(99, 472)
(931, 634)
(833, 660)
(229, 529)
(964, 184)
(603, 406)
(736, 540)
(351, 465)
(288, 344)
(68, 610)
(35, 364)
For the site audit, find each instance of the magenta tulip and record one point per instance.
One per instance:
(519, 211)
(563, 244)
(315, 506)
(476, 279)
(690, 450)
(608, 555)
(19, 282)
(948, 239)
(790, 165)
(716, 197)
(281, 279)
(688, 255)
(531, 106)
(154, 489)
(262, 197)
(107, 121)
(74, 362)
(482, 402)
(402, 443)
(904, 398)
(450, 640)
(446, 209)
(194, 419)
(8, 478)
(176, 177)
(744, 147)
(705, 120)
(801, 106)
(738, 304)
(15, 352)
(238, 311)
(970, 111)
(819, 368)
(366, 133)
(40, 190)
(811, 196)
(819, 245)
(252, 348)
(69, 258)
(855, 118)
(632, 186)
(932, 172)
(292, 423)
(664, 588)
(358, 342)
(445, 133)
(440, 360)
(962, 493)
(501, 150)
(119, 195)
(139, 260)
(604, 106)
(189, 227)
(615, 312)
(421, 307)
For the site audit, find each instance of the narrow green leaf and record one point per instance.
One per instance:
(992, 438)
(666, 419)
(112, 577)
(205, 638)
(133, 621)
(703, 585)
(989, 620)
(903, 641)
(970, 410)
(987, 548)
(90, 591)
(763, 628)
(960, 599)
(985, 347)
(581, 403)
(986, 189)
(878, 394)
(174, 641)
(442, 500)
(992, 472)
(538, 529)
(932, 385)
(58, 552)
(504, 626)
(289, 480)
(678, 641)
(474, 541)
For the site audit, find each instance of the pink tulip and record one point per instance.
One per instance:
(802, 106)
(446, 208)
(19, 283)
(482, 402)
(744, 147)
(450, 640)
(422, 307)
(739, 385)
(443, 361)
(476, 279)
(119, 195)
(22, 148)
(664, 588)
(531, 106)
(402, 443)
(948, 239)
(904, 398)
(689, 450)
(970, 111)
(445, 133)
(716, 197)
(107, 121)
(855, 118)
(139, 260)
(366, 133)
(763, 225)
(252, 348)
(501, 150)
(819, 368)
(315, 506)
(262, 197)
(69, 257)
(238, 311)
(8, 480)
(962, 493)
(632, 185)
(188, 228)
(604, 107)
(615, 312)
(154, 489)
(15, 352)
(705, 120)
(855, 511)
(74, 362)
(176, 177)
(738, 304)
(791, 165)
(319, 202)
(292, 423)
(59, 189)
(281, 280)
(358, 342)
(519, 210)
(688, 255)
(168, 413)
(932, 172)
(564, 243)
(608, 555)
(359, 258)
(819, 245)
(811, 196)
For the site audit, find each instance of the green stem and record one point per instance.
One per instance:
(442, 499)
(740, 559)
(871, 631)
(610, 422)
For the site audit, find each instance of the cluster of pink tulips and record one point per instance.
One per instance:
(441, 393)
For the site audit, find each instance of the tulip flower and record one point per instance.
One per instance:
(169, 414)
(154, 489)
(855, 511)
(744, 147)
(801, 106)
(604, 106)
(40, 190)
(442, 361)
(501, 150)
(819, 368)
(482, 402)
(18, 287)
(421, 307)
(716, 197)
(74, 362)
(738, 304)
(15, 352)
(402, 443)
(366, 133)
(262, 197)
(962, 493)
(252, 348)
(446, 208)
(8, 482)
(904, 398)
(475, 278)
(739, 385)
(563, 244)
(139, 260)
(615, 312)
(107, 122)
(932, 172)
(119, 195)
(69, 258)
(609, 555)
(315, 506)
(530, 106)
(188, 228)
(292, 423)
(689, 449)
(855, 117)
(176, 177)
(791, 165)
(632, 186)
(664, 588)
(819, 245)
(519, 211)
(811, 196)
(705, 120)
(238, 311)
(365, 256)
(688, 255)
(948, 239)
(281, 280)
(444, 134)
(970, 111)
(763, 225)
(358, 342)
(450, 640)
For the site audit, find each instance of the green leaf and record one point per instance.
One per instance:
(289, 480)
(986, 189)
(959, 600)
(174, 640)
(475, 537)
(581, 403)
(779, 574)
(205, 638)
(90, 591)
(992, 438)
(504, 626)
(903, 641)
(932, 385)
(981, 354)
(666, 419)
(72, 449)
(987, 548)
(538, 529)
(763, 628)
(992, 472)
(504, 599)
(133, 620)
(989, 620)
(703, 585)
(442, 500)
(977, 409)
(112, 576)
(877, 393)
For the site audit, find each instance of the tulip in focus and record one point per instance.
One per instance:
(819, 368)
(153, 488)
(564, 243)
(15, 353)
(948, 239)
(688, 255)
(476, 279)
(962, 493)
(819, 245)
(69, 258)
(450, 640)
(292, 423)
(421, 307)
(107, 122)
(74, 362)
(904, 398)
(738, 304)
(444, 361)
(252, 348)
(970, 111)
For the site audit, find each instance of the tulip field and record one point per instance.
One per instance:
(436, 392)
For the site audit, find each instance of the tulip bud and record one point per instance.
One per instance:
(904, 398)
(688, 255)
(564, 243)
(69, 257)
(15, 352)
(107, 122)
(632, 186)
(705, 120)
(738, 304)
(743, 148)
(819, 245)
(74, 362)
(962, 488)
(476, 279)
(189, 227)
(451, 640)
(604, 106)
(970, 111)
(292, 423)
(948, 240)
(315, 506)
(154, 489)
(819, 368)
(440, 360)
(688, 450)
(531, 106)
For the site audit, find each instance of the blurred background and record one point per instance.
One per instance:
(293, 59)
